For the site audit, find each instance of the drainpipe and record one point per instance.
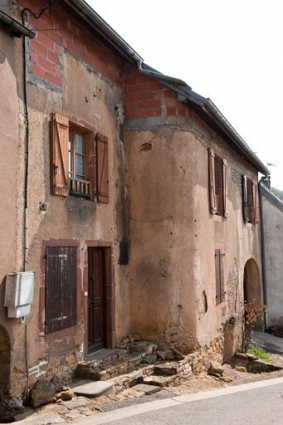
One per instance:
(26, 244)
(266, 325)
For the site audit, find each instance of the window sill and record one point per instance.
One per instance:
(219, 218)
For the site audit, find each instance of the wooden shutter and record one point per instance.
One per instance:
(60, 168)
(225, 187)
(102, 169)
(92, 165)
(217, 276)
(61, 288)
(255, 202)
(212, 197)
(245, 198)
(222, 285)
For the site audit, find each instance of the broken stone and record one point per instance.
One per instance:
(76, 403)
(217, 375)
(251, 356)
(58, 383)
(150, 359)
(241, 355)
(161, 354)
(137, 337)
(178, 354)
(216, 368)
(42, 393)
(226, 378)
(162, 346)
(240, 369)
(147, 389)
(66, 395)
(142, 347)
(9, 408)
(94, 389)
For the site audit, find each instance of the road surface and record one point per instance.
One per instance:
(256, 403)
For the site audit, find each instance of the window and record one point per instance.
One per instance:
(80, 161)
(61, 288)
(217, 184)
(250, 200)
(219, 276)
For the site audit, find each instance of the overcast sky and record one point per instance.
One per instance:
(228, 50)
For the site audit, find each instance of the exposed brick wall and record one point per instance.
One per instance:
(57, 31)
(145, 97)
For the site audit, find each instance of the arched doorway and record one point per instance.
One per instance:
(252, 285)
(5, 360)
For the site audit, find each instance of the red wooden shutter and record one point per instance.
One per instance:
(212, 197)
(92, 165)
(255, 202)
(61, 288)
(225, 187)
(60, 137)
(245, 198)
(102, 169)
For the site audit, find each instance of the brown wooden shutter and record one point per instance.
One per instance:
(102, 169)
(255, 202)
(222, 286)
(61, 288)
(225, 187)
(245, 198)
(60, 137)
(212, 197)
(217, 276)
(92, 165)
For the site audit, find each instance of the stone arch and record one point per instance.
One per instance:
(252, 282)
(5, 361)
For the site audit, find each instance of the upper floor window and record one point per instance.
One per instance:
(80, 161)
(250, 200)
(217, 184)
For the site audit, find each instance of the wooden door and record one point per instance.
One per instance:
(96, 299)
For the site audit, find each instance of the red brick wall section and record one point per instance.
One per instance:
(55, 32)
(145, 97)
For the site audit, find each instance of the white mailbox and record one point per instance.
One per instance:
(19, 293)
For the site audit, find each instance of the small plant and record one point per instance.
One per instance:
(261, 354)
(252, 313)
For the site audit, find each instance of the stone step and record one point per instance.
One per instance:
(161, 381)
(92, 389)
(109, 369)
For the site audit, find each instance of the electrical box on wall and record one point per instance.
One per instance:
(19, 293)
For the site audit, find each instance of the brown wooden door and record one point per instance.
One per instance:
(96, 299)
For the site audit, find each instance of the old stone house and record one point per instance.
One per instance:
(272, 237)
(129, 196)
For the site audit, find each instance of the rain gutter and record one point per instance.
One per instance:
(107, 31)
(18, 29)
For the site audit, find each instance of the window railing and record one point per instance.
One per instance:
(80, 187)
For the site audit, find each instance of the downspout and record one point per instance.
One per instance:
(26, 244)
(266, 324)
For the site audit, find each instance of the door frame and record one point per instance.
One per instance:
(110, 330)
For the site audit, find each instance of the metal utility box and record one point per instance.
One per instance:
(19, 293)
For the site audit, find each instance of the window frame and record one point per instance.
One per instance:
(95, 187)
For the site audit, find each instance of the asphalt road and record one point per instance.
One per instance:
(257, 403)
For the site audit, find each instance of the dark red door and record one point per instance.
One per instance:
(96, 299)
